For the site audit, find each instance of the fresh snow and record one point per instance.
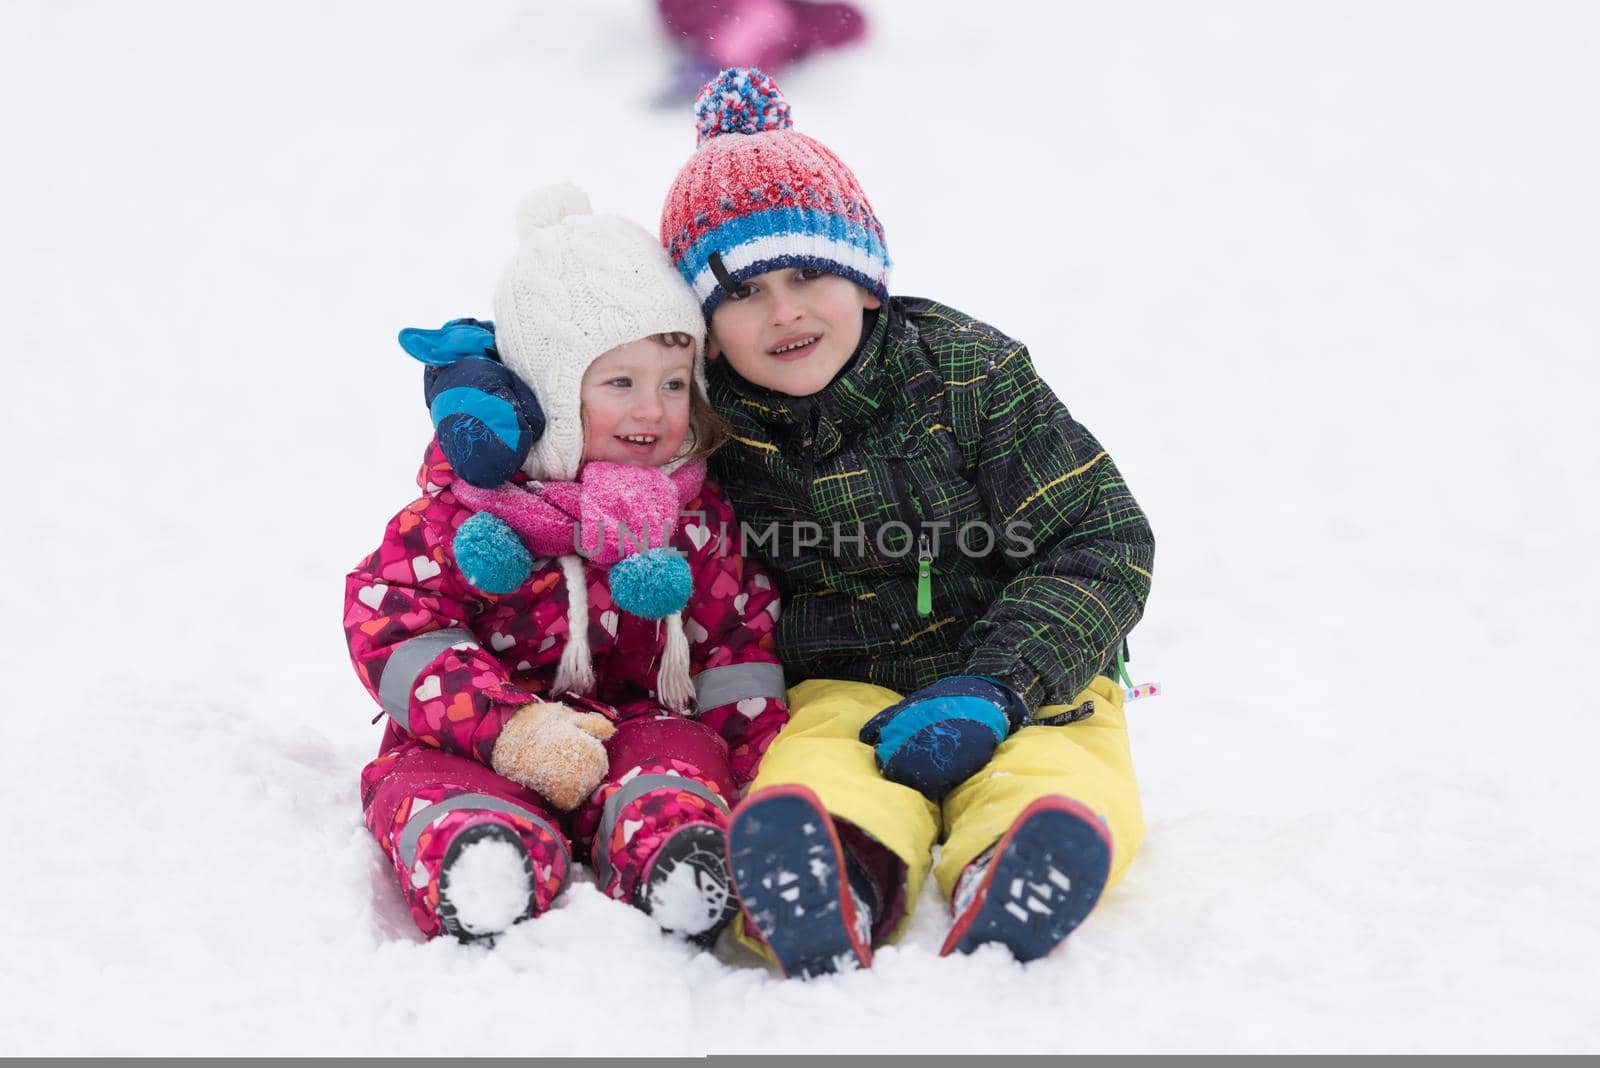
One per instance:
(1322, 278)
(489, 886)
(680, 903)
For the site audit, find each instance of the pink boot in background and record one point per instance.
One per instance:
(769, 34)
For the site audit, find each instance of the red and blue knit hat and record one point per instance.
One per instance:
(758, 196)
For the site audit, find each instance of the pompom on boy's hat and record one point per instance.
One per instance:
(758, 196)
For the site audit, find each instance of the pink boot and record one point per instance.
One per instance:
(758, 33)
(656, 828)
(473, 852)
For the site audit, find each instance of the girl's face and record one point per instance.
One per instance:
(636, 403)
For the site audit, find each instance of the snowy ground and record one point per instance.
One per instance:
(1321, 276)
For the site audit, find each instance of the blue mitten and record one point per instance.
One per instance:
(486, 418)
(940, 736)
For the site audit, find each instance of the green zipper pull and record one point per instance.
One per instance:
(924, 578)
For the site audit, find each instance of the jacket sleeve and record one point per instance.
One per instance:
(407, 619)
(1084, 550)
(731, 624)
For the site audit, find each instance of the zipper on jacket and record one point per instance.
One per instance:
(1122, 665)
(924, 577)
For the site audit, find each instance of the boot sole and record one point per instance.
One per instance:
(788, 871)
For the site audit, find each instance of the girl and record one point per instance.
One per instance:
(526, 723)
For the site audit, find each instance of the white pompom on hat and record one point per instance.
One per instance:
(580, 285)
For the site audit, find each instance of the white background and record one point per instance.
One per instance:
(1322, 277)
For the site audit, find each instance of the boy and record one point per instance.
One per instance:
(940, 528)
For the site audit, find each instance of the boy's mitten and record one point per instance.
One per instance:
(487, 419)
(555, 751)
(938, 737)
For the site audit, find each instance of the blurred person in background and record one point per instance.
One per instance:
(770, 34)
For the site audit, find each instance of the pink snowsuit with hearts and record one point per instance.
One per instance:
(450, 664)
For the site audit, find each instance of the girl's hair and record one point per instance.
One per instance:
(708, 431)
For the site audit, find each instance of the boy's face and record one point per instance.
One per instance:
(790, 330)
(636, 403)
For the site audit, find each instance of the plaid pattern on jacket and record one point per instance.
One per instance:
(938, 423)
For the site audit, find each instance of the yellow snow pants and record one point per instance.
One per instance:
(1087, 761)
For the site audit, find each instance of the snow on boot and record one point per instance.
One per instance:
(485, 883)
(686, 887)
(1036, 884)
(789, 872)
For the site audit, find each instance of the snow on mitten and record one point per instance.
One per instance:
(555, 751)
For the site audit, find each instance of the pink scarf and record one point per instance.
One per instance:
(615, 509)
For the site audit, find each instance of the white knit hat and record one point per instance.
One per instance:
(582, 284)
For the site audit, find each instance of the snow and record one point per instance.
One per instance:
(489, 886)
(1320, 277)
(679, 903)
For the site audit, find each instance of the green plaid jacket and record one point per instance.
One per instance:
(940, 430)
